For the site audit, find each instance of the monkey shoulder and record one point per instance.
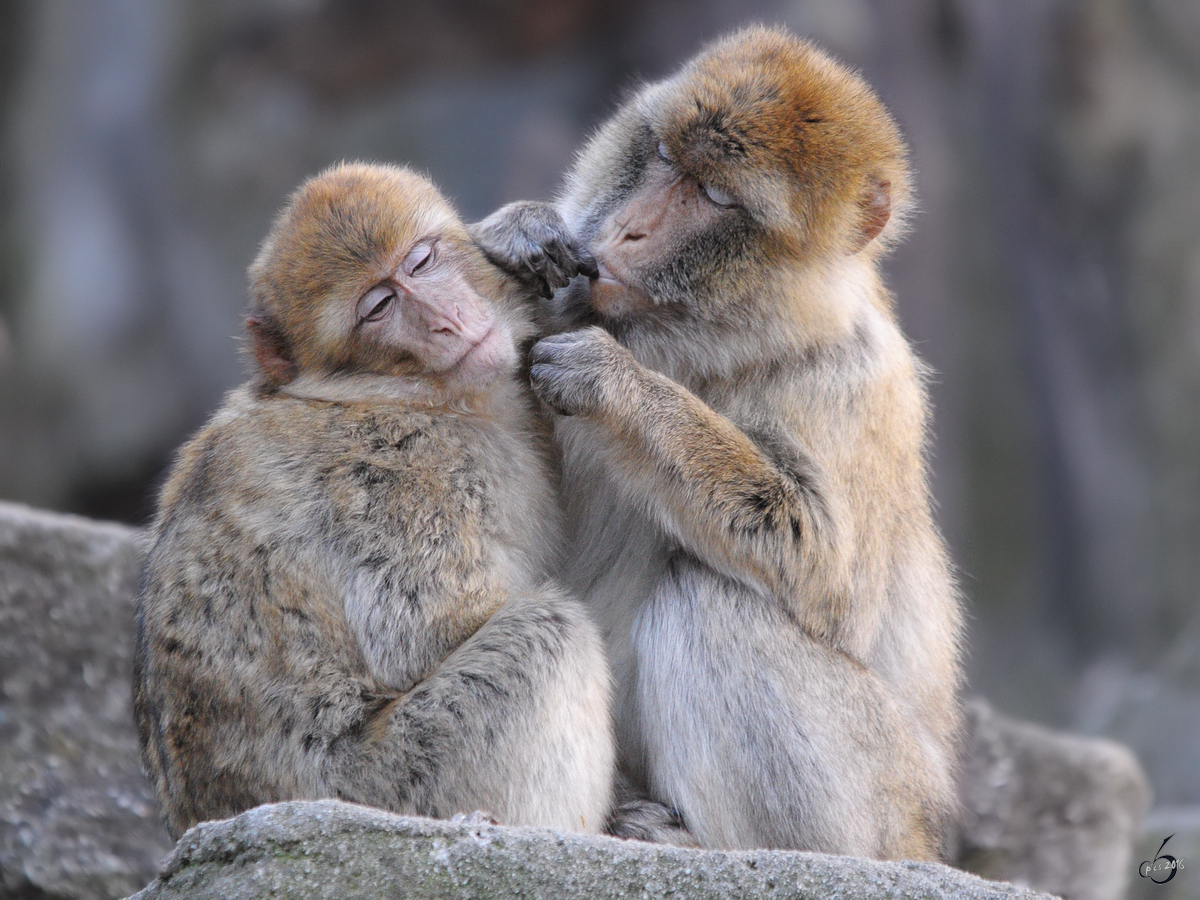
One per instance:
(357, 460)
(431, 469)
(232, 594)
(243, 480)
(836, 394)
(443, 489)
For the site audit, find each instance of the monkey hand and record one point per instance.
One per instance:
(578, 372)
(530, 241)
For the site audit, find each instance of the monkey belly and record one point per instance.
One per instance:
(763, 737)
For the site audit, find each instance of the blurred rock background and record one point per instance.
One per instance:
(1052, 279)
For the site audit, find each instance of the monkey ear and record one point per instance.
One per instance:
(271, 349)
(875, 206)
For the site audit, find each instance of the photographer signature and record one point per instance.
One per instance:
(1162, 862)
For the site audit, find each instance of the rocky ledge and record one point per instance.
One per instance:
(327, 849)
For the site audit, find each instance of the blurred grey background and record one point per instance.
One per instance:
(1052, 279)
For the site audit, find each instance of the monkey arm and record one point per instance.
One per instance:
(763, 518)
(514, 722)
(760, 511)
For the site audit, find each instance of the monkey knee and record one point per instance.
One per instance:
(554, 627)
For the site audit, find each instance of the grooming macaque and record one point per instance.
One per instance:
(348, 591)
(743, 454)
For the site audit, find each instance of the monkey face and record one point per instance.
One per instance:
(427, 312)
(666, 242)
(760, 159)
(369, 270)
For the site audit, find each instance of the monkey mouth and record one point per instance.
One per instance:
(488, 354)
(471, 350)
(606, 276)
(613, 297)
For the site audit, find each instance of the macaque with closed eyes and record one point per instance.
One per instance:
(349, 590)
(743, 428)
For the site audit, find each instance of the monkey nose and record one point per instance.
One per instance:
(446, 319)
(450, 321)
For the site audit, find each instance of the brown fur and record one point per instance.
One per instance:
(743, 458)
(348, 591)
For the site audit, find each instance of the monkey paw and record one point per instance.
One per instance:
(575, 373)
(530, 240)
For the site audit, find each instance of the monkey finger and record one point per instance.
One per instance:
(529, 271)
(579, 261)
(557, 349)
(555, 252)
(544, 353)
(558, 249)
(540, 285)
(533, 282)
(571, 257)
(556, 274)
(548, 385)
(550, 264)
(588, 265)
(544, 376)
(552, 340)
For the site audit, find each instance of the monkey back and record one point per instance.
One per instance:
(287, 531)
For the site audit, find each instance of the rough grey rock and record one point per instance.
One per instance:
(1057, 812)
(77, 817)
(329, 849)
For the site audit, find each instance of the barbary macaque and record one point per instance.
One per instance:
(743, 428)
(349, 593)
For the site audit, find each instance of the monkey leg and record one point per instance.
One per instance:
(763, 737)
(515, 722)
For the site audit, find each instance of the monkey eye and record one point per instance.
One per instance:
(724, 199)
(420, 256)
(662, 152)
(375, 303)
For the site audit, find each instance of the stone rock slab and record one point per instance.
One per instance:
(307, 850)
(1059, 812)
(78, 819)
